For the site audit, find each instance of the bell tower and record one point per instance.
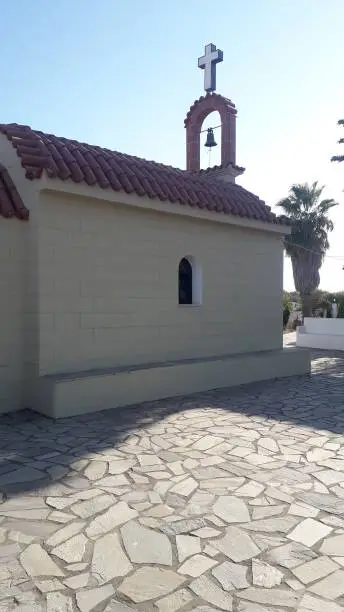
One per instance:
(200, 109)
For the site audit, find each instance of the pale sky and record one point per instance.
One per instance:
(122, 74)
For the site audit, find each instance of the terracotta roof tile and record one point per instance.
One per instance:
(11, 204)
(68, 159)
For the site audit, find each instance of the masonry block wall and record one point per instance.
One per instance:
(12, 238)
(108, 285)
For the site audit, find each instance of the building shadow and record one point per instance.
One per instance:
(36, 452)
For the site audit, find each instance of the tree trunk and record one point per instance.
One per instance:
(306, 301)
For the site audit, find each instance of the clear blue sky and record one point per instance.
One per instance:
(123, 73)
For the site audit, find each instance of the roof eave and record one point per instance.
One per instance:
(83, 190)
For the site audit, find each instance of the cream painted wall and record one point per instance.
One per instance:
(19, 292)
(12, 240)
(108, 286)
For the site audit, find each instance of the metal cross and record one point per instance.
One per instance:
(211, 57)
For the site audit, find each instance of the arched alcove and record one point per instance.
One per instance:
(210, 156)
(194, 122)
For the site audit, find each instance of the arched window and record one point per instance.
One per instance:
(185, 281)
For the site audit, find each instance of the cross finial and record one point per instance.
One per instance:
(207, 62)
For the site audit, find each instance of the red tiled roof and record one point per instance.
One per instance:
(11, 204)
(82, 163)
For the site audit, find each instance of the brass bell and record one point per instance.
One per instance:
(210, 142)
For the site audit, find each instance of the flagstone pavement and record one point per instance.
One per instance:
(230, 500)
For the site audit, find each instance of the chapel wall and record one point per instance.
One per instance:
(108, 286)
(18, 292)
(11, 314)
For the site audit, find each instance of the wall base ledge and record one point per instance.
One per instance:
(67, 395)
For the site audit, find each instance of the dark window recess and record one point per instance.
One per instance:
(185, 282)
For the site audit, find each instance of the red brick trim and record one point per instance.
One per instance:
(200, 109)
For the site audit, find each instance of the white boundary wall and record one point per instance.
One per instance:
(321, 333)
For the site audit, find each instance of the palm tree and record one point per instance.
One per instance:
(308, 241)
(339, 158)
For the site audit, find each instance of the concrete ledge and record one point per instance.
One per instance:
(83, 392)
(321, 334)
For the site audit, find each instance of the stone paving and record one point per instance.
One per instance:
(230, 500)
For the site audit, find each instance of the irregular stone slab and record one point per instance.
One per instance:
(30, 530)
(76, 567)
(61, 517)
(303, 510)
(183, 526)
(60, 503)
(247, 606)
(208, 473)
(57, 602)
(329, 477)
(117, 606)
(207, 532)
(290, 555)
(77, 582)
(173, 602)
(72, 550)
(198, 504)
(145, 545)
(330, 587)
(308, 602)
(88, 600)
(24, 474)
(197, 565)
(186, 487)
(250, 489)
(231, 575)
(150, 582)
(109, 560)
(257, 459)
(23, 502)
(119, 466)
(110, 519)
(48, 586)
(65, 533)
(95, 470)
(318, 454)
(36, 562)
(309, 531)
(207, 442)
(187, 546)
(90, 507)
(9, 550)
(83, 495)
(315, 570)
(274, 493)
(158, 511)
(274, 597)
(333, 546)
(265, 542)
(237, 545)
(282, 524)
(329, 503)
(265, 575)
(34, 514)
(231, 509)
(113, 481)
(209, 591)
(265, 511)
(147, 460)
(268, 444)
(334, 464)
